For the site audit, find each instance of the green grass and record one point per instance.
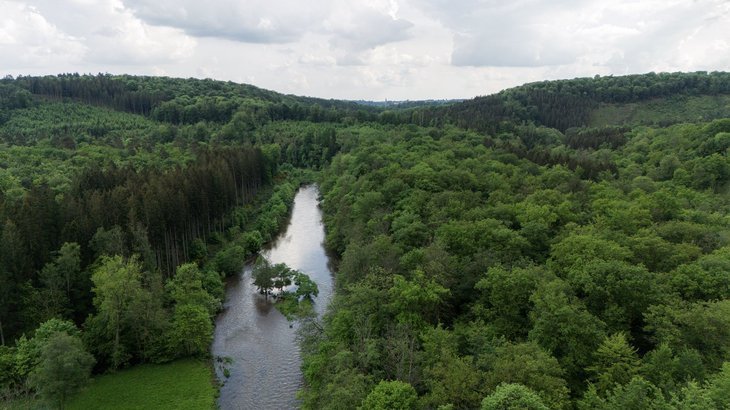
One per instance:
(184, 384)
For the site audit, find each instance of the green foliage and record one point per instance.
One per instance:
(8, 373)
(266, 275)
(529, 235)
(229, 261)
(186, 288)
(563, 326)
(512, 396)
(615, 363)
(387, 395)
(293, 304)
(704, 327)
(306, 287)
(638, 394)
(192, 331)
(28, 354)
(529, 365)
(117, 285)
(505, 299)
(591, 254)
(64, 368)
(61, 281)
(718, 388)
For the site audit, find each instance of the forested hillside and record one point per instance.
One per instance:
(466, 265)
(562, 244)
(597, 102)
(118, 224)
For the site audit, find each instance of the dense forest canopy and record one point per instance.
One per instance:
(563, 244)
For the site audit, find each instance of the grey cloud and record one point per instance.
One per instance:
(515, 49)
(252, 21)
(102, 33)
(352, 28)
(659, 39)
(370, 29)
(492, 33)
(534, 33)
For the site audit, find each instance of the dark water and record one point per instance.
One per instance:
(264, 373)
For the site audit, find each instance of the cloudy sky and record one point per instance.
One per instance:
(366, 49)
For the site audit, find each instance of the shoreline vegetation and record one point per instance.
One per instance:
(562, 243)
(158, 386)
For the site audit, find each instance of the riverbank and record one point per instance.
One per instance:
(183, 384)
(251, 227)
(264, 370)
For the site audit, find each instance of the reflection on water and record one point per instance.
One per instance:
(265, 371)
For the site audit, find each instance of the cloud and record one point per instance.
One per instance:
(28, 40)
(351, 29)
(539, 33)
(251, 21)
(92, 33)
(367, 29)
(395, 49)
(670, 36)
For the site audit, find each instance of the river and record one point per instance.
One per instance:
(265, 369)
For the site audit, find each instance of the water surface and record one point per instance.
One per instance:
(265, 368)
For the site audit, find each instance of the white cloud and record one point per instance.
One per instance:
(98, 33)
(366, 29)
(372, 49)
(539, 33)
(254, 21)
(28, 40)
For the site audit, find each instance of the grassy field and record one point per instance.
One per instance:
(185, 384)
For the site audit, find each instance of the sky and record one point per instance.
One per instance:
(366, 49)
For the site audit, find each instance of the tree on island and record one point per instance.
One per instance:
(268, 277)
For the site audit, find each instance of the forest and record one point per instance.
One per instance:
(559, 245)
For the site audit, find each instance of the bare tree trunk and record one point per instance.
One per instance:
(116, 346)
(2, 335)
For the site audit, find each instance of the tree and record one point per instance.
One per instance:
(529, 365)
(449, 378)
(282, 276)
(29, 351)
(505, 299)
(563, 327)
(638, 394)
(306, 287)
(417, 300)
(661, 367)
(64, 368)
(615, 363)
(230, 259)
(513, 396)
(702, 326)
(186, 287)
(192, 330)
(108, 242)
(719, 387)
(60, 279)
(263, 276)
(391, 395)
(116, 285)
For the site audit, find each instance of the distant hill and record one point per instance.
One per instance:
(647, 99)
(407, 103)
(175, 100)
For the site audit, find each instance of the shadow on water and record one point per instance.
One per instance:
(265, 369)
